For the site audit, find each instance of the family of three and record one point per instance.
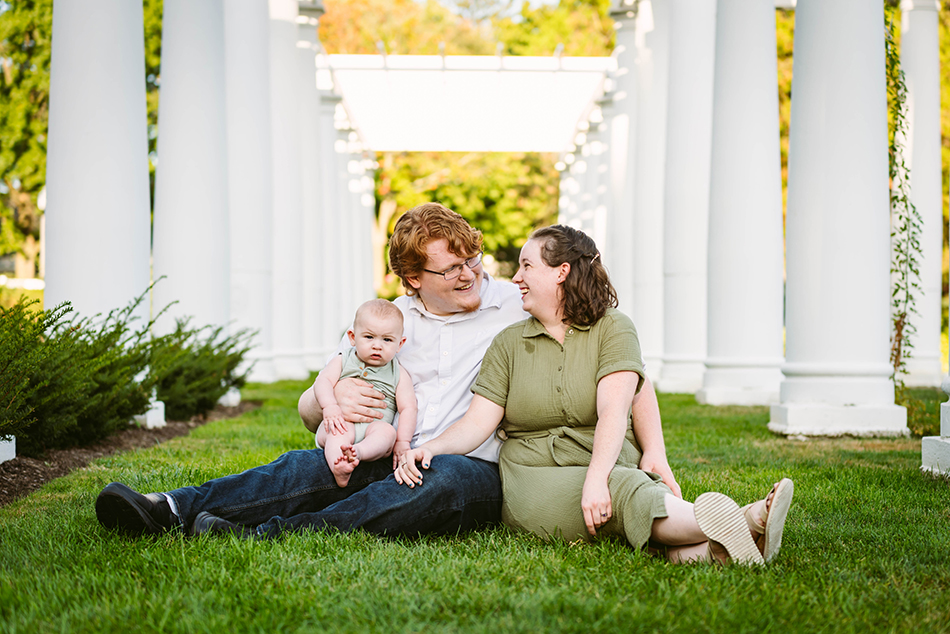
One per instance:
(531, 407)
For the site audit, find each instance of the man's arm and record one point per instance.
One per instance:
(360, 402)
(649, 433)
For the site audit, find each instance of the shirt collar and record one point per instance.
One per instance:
(533, 328)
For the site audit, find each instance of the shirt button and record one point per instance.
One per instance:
(445, 382)
(571, 331)
(365, 372)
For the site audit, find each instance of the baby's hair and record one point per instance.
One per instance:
(382, 308)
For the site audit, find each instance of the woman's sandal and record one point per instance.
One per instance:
(769, 522)
(725, 526)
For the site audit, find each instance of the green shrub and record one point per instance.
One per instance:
(94, 381)
(192, 369)
(23, 350)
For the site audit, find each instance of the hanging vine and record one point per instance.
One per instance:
(906, 222)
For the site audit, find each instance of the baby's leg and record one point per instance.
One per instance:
(378, 443)
(333, 450)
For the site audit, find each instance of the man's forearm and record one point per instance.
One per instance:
(310, 411)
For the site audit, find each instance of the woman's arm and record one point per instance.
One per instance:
(649, 433)
(465, 435)
(614, 395)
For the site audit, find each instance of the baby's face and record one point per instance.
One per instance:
(377, 339)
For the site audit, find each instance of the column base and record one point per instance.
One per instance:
(262, 371)
(732, 383)
(153, 418)
(813, 419)
(8, 449)
(681, 376)
(935, 455)
(290, 366)
(924, 372)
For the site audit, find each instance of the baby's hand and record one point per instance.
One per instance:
(401, 447)
(335, 423)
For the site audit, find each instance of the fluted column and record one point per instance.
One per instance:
(920, 61)
(646, 304)
(686, 196)
(837, 375)
(191, 246)
(287, 219)
(622, 116)
(316, 348)
(744, 350)
(247, 81)
(97, 127)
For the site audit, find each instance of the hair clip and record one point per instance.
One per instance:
(594, 258)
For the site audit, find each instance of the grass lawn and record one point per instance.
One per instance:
(866, 549)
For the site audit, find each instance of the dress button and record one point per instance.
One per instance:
(558, 389)
(558, 368)
(571, 331)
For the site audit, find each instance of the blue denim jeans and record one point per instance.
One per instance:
(297, 492)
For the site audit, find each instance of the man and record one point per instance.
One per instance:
(452, 311)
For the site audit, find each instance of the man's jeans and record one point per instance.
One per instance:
(297, 492)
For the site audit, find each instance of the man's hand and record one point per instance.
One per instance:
(407, 472)
(657, 464)
(360, 401)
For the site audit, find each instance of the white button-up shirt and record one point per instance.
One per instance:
(443, 356)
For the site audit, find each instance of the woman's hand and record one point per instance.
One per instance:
(656, 463)
(595, 503)
(407, 472)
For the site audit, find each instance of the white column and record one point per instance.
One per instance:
(346, 305)
(97, 241)
(192, 230)
(247, 80)
(288, 219)
(686, 195)
(314, 273)
(622, 115)
(837, 375)
(334, 248)
(646, 304)
(744, 351)
(920, 61)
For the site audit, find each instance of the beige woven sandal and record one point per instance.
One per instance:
(722, 522)
(769, 522)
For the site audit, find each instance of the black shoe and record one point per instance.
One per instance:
(120, 507)
(205, 522)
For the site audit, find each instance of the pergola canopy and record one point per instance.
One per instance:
(466, 103)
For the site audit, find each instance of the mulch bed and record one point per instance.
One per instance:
(21, 476)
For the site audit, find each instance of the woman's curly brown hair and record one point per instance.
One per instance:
(587, 291)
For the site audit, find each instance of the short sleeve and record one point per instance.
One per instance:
(619, 347)
(494, 376)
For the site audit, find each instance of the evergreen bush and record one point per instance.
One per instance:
(94, 381)
(67, 382)
(192, 369)
(22, 352)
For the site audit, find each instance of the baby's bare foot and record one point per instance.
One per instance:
(343, 468)
(351, 453)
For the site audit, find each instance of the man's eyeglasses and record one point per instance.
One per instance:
(454, 271)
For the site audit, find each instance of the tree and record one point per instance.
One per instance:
(25, 30)
(582, 27)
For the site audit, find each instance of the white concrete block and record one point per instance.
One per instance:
(935, 455)
(8, 449)
(154, 417)
(231, 398)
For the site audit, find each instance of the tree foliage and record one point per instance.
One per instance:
(25, 30)
(582, 27)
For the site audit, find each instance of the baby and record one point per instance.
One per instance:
(376, 336)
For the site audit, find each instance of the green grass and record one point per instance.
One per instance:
(866, 549)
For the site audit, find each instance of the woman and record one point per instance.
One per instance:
(560, 385)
